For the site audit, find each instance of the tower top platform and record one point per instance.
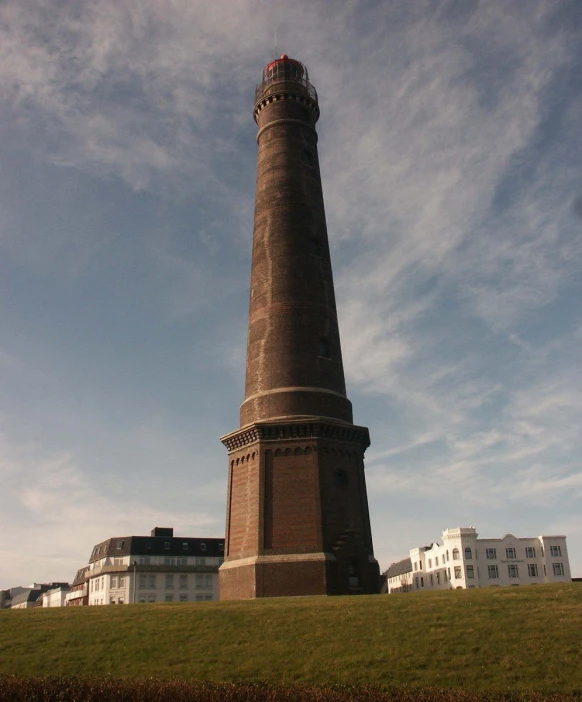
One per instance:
(285, 70)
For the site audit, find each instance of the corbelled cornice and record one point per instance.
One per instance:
(277, 431)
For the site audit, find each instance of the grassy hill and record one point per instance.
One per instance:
(519, 639)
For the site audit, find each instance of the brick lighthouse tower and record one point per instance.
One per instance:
(297, 520)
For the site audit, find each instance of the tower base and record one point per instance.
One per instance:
(297, 516)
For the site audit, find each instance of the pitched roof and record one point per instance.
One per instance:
(399, 568)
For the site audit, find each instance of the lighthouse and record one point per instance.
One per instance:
(297, 520)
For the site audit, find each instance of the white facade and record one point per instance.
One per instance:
(166, 581)
(55, 598)
(465, 561)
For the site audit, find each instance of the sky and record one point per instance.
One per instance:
(450, 150)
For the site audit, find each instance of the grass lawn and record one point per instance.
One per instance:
(496, 639)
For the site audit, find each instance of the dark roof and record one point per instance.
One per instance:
(399, 568)
(156, 546)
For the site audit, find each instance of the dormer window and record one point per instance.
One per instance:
(120, 544)
(167, 545)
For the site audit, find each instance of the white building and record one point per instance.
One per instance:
(156, 568)
(465, 561)
(56, 596)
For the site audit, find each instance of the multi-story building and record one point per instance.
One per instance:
(32, 596)
(465, 561)
(55, 597)
(157, 568)
(78, 595)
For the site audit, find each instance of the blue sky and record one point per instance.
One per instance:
(451, 157)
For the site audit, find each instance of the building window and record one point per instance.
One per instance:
(431, 580)
(184, 545)
(221, 547)
(182, 561)
(445, 574)
(121, 581)
(169, 580)
(208, 598)
(323, 348)
(558, 568)
(151, 581)
(457, 571)
(493, 571)
(149, 546)
(169, 597)
(183, 581)
(183, 597)
(145, 560)
(422, 582)
(532, 570)
(120, 544)
(340, 478)
(169, 561)
(415, 568)
(199, 598)
(438, 578)
(307, 158)
(200, 561)
(556, 551)
(118, 561)
(436, 561)
(114, 581)
(512, 570)
(449, 572)
(468, 554)
(455, 554)
(167, 545)
(530, 552)
(491, 553)
(447, 555)
(314, 247)
(510, 552)
(416, 579)
(151, 598)
(142, 580)
(470, 572)
(430, 562)
(203, 547)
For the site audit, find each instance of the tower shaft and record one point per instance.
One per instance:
(297, 513)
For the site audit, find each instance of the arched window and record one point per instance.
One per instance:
(468, 554)
(455, 554)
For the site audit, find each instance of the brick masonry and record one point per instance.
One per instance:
(297, 515)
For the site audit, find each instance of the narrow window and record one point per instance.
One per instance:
(308, 159)
(323, 348)
(314, 247)
(468, 554)
(167, 545)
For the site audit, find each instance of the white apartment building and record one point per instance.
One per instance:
(55, 597)
(465, 561)
(156, 568)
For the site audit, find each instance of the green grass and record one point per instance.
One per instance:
(499, 639)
